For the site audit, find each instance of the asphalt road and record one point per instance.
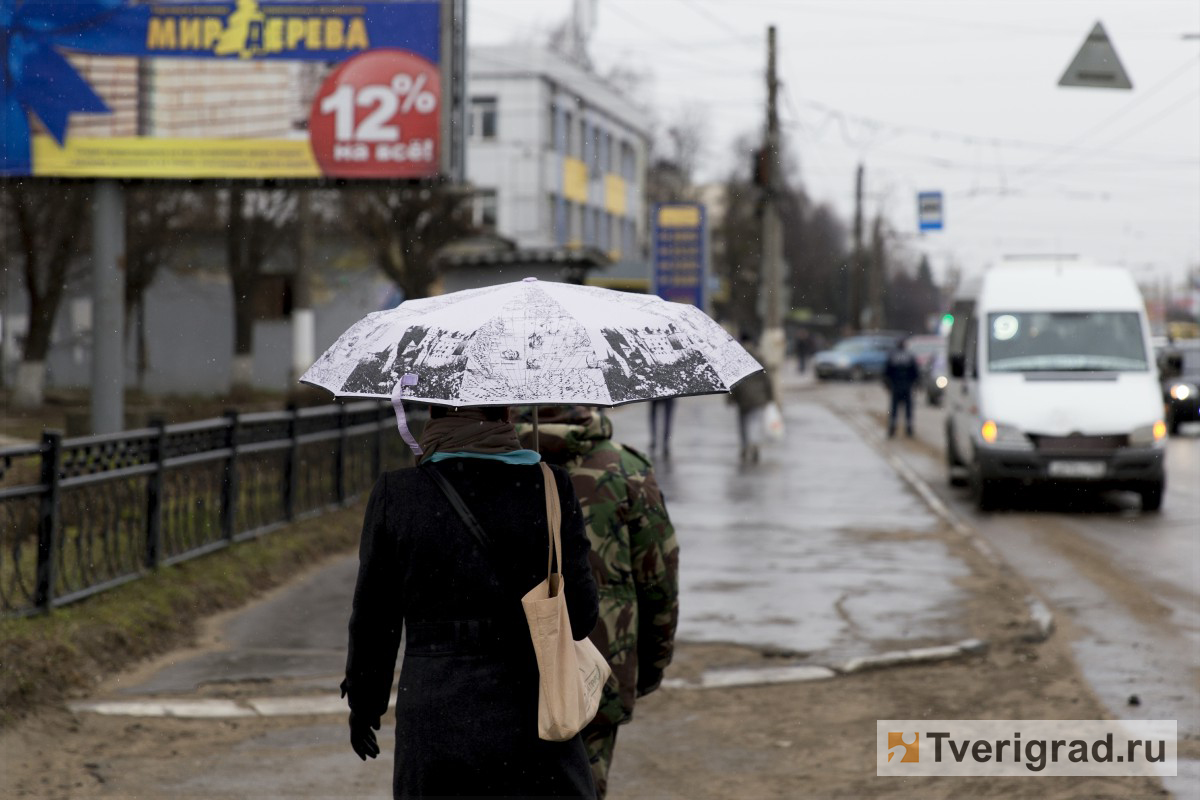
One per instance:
(1125, 586)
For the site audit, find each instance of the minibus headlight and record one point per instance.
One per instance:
(1006, 436)
(1152, 434)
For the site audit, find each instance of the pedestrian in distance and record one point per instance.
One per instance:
(467, 696)
(662, 408)
(751, 395)
(634, 557)
(803, 347)
(900, 374)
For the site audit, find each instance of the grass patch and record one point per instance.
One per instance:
(48, 658)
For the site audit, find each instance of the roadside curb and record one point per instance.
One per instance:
(332, 704)
(740, 677)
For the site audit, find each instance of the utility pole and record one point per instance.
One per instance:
(854, 288)
(876, 275)
(771, 271)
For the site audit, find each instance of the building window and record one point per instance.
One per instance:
(482, 124)
(484, 210)
(569, 141)
(574, 223)
(594, 150)
(628, 161)
(552, 128)
(605, 231)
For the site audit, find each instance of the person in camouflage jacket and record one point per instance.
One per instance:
(635, 560)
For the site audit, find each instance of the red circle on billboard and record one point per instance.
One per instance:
(377, 116)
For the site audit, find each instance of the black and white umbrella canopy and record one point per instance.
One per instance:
(533, 342)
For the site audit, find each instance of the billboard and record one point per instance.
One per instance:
(680, 253)
(234, 89)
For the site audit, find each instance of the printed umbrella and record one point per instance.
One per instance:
(531, 343)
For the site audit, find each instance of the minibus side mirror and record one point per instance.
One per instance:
(957, 365)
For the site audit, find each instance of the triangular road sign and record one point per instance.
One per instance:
(1096, 64)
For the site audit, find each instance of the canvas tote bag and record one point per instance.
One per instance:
(573, 673)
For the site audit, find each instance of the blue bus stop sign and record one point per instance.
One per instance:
(929, 211)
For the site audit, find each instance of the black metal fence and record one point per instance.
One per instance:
(79, 516)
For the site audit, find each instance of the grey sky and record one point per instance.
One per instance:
(959, 96)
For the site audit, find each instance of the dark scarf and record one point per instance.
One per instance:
(465, 430)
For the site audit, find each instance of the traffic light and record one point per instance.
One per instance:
(760, 167)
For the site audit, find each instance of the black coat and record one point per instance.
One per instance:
(466, 707)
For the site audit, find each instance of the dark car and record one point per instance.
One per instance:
(857, 357)
(925, 349)
(937, 379)
(1179, 365)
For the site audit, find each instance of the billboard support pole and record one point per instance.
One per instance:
(108, 301)
(303, 316)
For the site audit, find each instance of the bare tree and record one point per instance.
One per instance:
(156, 216)
(406, 228)
(688, 133)
(47, 221)
(258, 223)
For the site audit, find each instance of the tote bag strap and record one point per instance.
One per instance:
(553, 520)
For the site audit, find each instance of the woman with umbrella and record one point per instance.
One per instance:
(467, 698)
(466, 703)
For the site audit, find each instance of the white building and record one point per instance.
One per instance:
(558, 156)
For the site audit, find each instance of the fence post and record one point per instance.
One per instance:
(385, 411)
(340, 459)
(292, 478)
(229, 486)
(48, 521)
(154, 492)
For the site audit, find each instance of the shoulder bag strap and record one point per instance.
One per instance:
(553, 520)
(457, 502)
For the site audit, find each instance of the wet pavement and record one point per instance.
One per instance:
(806, 551)
(805, 554)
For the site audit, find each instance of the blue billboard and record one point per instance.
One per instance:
(680, 252)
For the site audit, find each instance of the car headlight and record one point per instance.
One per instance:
(1146, 435)
(1002, 435)
(942, 382)
(1182, 391)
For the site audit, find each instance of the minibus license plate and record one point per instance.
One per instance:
(1076, 469)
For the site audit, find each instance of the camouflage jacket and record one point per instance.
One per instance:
(635, 558)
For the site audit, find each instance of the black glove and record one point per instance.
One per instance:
(362, 738)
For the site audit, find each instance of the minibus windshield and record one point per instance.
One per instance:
(1065, 341)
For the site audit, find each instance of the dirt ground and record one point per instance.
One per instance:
(794, 740)
(791, 740)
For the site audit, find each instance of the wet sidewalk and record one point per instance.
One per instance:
(818, 550)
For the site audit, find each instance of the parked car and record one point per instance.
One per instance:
(1179, 364)
(857, 358)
